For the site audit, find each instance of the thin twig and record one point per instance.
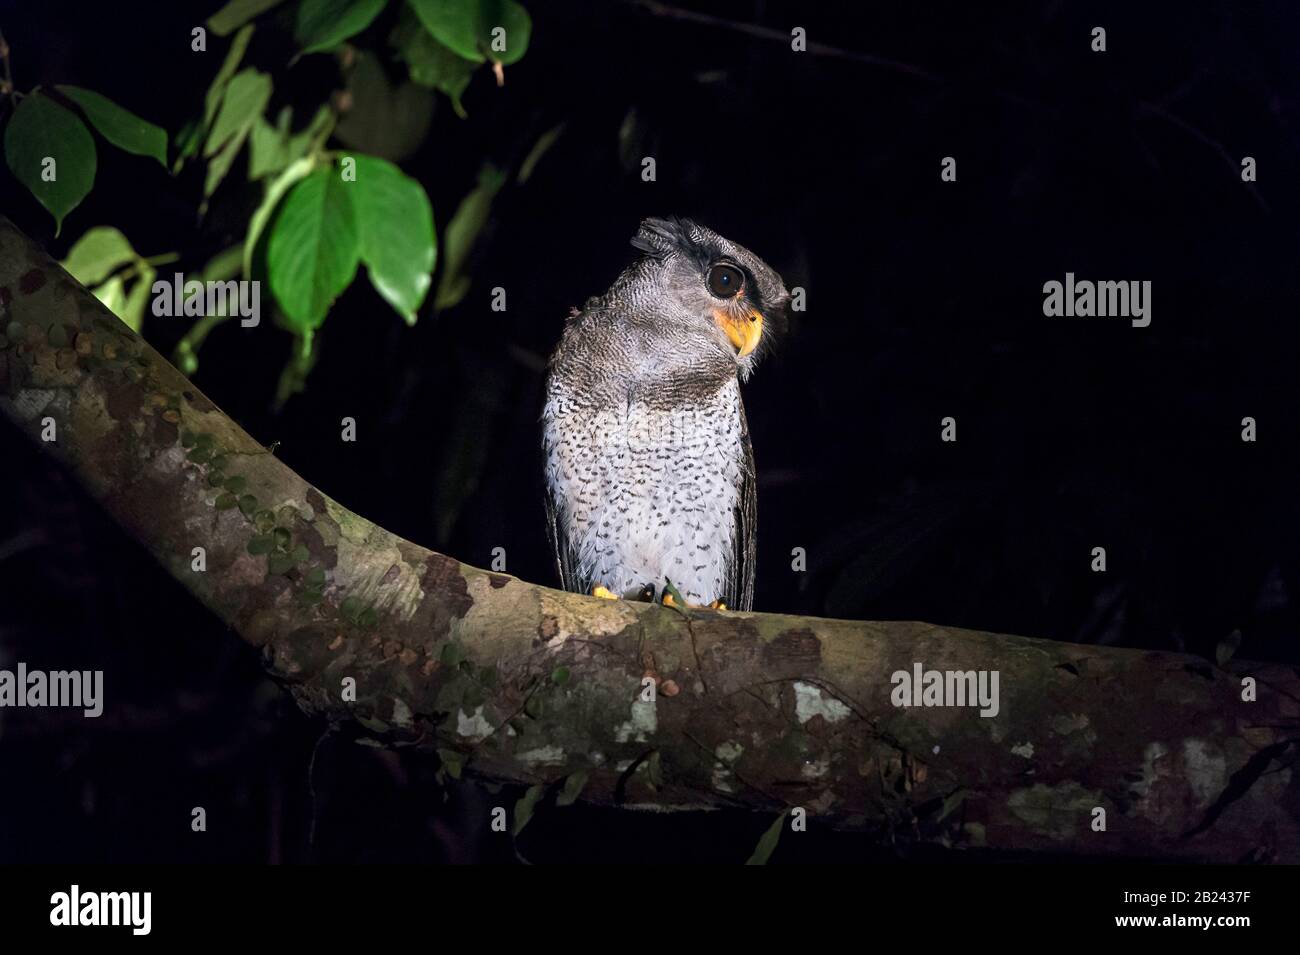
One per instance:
(311, 785)
(768, 33)
(1157, 110)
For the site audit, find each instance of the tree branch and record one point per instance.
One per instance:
(524, 683)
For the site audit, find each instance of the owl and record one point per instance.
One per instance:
(649, 468)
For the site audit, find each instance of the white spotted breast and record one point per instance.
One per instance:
(646, 490)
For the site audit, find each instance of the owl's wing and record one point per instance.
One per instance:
(565, 565)
(743, 563)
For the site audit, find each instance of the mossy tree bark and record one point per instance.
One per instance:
(523, 683)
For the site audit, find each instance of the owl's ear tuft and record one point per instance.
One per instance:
(662, 237)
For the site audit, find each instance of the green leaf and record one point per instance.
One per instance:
(524, 808)
(119, 126)
(220, 164)
(41, 129)
(395, 226)
(312, 253)
(324, 24)
(274, 193)
(266, 149)
(97, 254)
(188, 140)
(318, 129)
(429, 62)
(384, 120)
(234, 56)
(278, 564)
(654, 770)
(238, 12)
(133, 308)
(540, 149)
(573, 785)
(517, 24)
(372, 724)
(462, 232)
(453, 761)
(452, 24)
(560, 676)
(767, 843)
(244, 100)
(222, 266)
(112, 294)
(273, 148)
(466, 27)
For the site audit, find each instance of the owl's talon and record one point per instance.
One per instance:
(600, 590)
(668, 601)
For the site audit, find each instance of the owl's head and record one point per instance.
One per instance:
(723, 293)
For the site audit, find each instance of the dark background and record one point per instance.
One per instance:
(924, 300)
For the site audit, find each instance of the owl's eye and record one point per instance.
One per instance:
(725, 280)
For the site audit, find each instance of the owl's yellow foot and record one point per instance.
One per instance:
(716, 605)
(678, 602)
(600, 590)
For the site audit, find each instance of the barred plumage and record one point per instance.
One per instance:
(649, 468)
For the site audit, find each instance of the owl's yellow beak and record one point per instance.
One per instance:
(742, 331)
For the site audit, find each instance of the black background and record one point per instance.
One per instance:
(924, 299)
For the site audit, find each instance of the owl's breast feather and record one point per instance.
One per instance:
(645, 492)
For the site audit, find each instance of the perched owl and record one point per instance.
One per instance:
(649, 469)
